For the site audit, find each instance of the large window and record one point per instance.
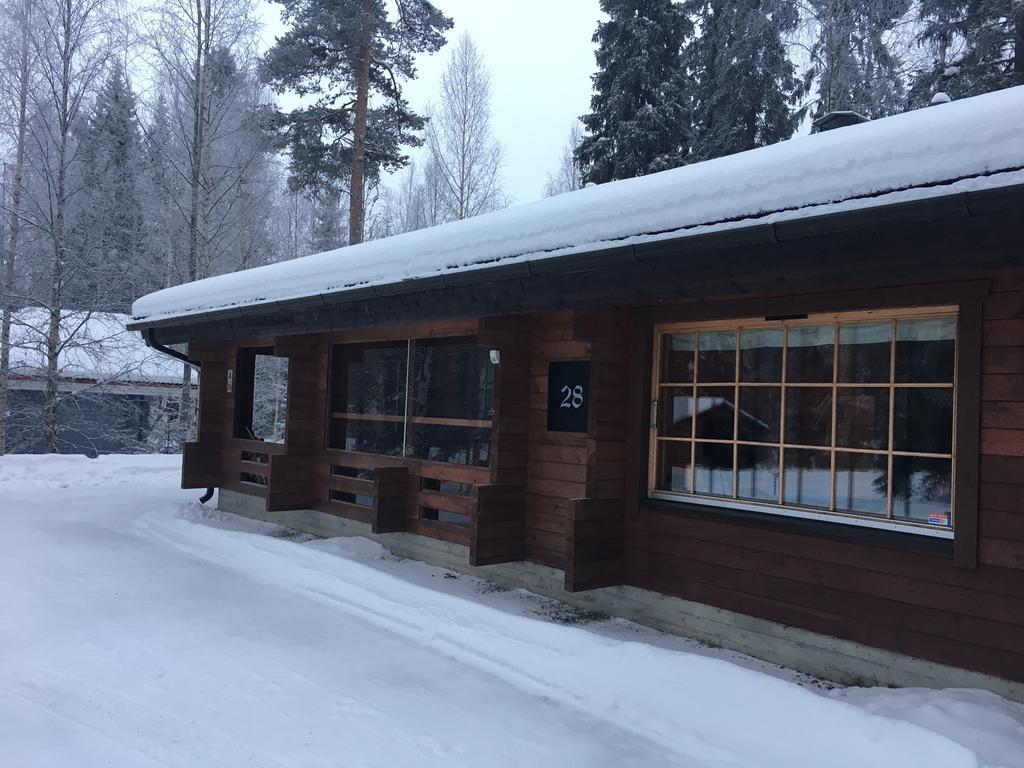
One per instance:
(427, 399)
(848, 416)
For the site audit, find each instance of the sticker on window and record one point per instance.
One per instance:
(938, 518)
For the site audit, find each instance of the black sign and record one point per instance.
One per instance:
(568, 395)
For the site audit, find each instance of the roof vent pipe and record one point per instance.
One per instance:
(832, 120)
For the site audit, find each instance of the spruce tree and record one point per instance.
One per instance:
(852, 65)
(109, 231)
(974, 46)
(351, 57)
(743, 84)
(638, 119)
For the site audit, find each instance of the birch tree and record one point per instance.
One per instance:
(69, 46)
(196, 47)
(15, 82)
(460, 140)
(567, 177)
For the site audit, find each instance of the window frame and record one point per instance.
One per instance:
(406, 419)
(969, 295)
(243, 393)
(835, 385)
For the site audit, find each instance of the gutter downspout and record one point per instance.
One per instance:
(149, 336)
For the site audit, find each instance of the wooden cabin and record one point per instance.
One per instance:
(773, 401)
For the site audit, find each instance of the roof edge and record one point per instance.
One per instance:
(965, 203)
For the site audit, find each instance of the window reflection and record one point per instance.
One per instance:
(862, 484)
(860, 413)
(716, 358)
(865, 351)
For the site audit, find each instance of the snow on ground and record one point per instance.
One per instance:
(138, 628)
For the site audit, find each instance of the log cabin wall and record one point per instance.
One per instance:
(569, 500)
(882, 593)
(568, 472)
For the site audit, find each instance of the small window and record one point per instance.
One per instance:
(429, 399)
(848, 416)
(261, 395)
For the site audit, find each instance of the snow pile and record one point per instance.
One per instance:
(94, 345)
(140, 629)
(970, 144)
(987, 724)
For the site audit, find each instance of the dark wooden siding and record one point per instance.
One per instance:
(579, 509)
(878, 593)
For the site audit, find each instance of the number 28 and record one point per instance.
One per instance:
(573, 396)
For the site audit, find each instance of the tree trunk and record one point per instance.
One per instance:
(357, 210)
(59, 244)
(12, 246)
(197, 213)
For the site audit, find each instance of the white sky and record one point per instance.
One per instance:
(541, 58)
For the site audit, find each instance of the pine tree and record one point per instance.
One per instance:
(344, 52)
(744, 85)
(637, 124)
(974, 46)
(852, 63)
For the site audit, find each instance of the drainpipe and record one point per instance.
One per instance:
(149, 335)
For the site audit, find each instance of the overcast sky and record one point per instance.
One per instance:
(541, 58)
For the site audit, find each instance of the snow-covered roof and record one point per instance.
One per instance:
(967, 145)
(96, 347)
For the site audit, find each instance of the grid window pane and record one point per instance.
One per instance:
(758, 475)
(922, 490)
(716, 359)
(675, 412)
(846, 415)
(809, 415)
(862, 483)
(862, 418)
(865, 352)
(674, 466)
(678, 357)
(926, 350)
(761, 354)
(808, 477)
(760, 414)
(713, 462)
(716, 412)
(810, 351)
(923, 420)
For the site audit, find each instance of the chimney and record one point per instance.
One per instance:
(833, 120)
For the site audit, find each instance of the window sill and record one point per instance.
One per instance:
(803, 526)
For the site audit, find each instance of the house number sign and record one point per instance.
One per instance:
(568, 395)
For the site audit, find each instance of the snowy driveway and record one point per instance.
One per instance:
(133, 632)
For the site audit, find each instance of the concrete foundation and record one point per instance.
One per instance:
(830, 658)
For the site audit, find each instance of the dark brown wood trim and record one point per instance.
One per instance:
(968, 428)
(825, 529)
(889, 297)
(637, 421)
